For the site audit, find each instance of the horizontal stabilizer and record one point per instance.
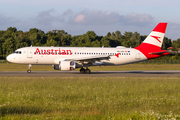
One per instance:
(159, 53)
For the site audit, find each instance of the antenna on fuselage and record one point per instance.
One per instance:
(31, 46)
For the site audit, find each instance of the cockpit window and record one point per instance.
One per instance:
(17, 52)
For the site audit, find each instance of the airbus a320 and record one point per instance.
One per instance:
(70, 58)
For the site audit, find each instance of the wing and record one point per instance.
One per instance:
(90, 60)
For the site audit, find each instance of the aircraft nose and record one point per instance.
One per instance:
(9, 58)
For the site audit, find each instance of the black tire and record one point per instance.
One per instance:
(87, 71)
(28, 71)
(82, 70)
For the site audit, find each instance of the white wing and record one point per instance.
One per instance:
(89, 59)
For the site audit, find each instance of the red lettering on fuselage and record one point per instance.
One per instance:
(52, 52)
(43, 52)
(37, 51)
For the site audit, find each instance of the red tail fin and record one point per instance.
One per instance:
(153, 42)
(155, 39)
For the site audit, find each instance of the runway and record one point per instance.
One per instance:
(147, 73)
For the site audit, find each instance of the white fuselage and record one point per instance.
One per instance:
(52, 55)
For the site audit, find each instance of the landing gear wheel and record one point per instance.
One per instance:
(87, 71)
(28, 71)
(82, 70)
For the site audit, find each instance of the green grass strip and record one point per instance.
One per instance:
(90, 98)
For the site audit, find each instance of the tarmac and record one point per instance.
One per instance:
(146, 73)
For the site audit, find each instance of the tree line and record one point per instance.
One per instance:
(12, 39)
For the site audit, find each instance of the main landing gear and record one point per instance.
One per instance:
(87, 71)
(29, 70)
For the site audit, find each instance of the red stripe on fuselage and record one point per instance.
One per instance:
(147, 49)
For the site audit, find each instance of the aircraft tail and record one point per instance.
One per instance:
(155, 38)
(151, 46)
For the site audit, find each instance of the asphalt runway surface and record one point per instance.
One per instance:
(146, 73)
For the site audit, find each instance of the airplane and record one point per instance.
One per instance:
(70, 58)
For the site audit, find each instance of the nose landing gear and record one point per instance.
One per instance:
(29, 68)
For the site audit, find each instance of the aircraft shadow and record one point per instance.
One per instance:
(132, 72)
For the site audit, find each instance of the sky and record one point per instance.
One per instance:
(77, 17)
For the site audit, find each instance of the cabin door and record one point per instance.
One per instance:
(137, 56)
(29, 53)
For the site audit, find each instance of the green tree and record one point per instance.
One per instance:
(51, 42)
(108, 34)
(113, 36)
(166, 43)
(35, 37)
(105, 42)
(126, 39)
(8, 46)
(11, 30)
(135, 40)
(96, 43)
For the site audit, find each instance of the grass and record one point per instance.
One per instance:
(90, 98)
(20, 67)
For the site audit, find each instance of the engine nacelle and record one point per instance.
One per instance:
(65, 65)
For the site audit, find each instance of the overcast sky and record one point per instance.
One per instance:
(102, 16)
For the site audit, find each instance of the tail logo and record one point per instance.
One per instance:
(157, 38)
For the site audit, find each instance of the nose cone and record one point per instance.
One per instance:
(11, 58)
(8, 58)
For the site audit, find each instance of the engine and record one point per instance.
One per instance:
(65, 65)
